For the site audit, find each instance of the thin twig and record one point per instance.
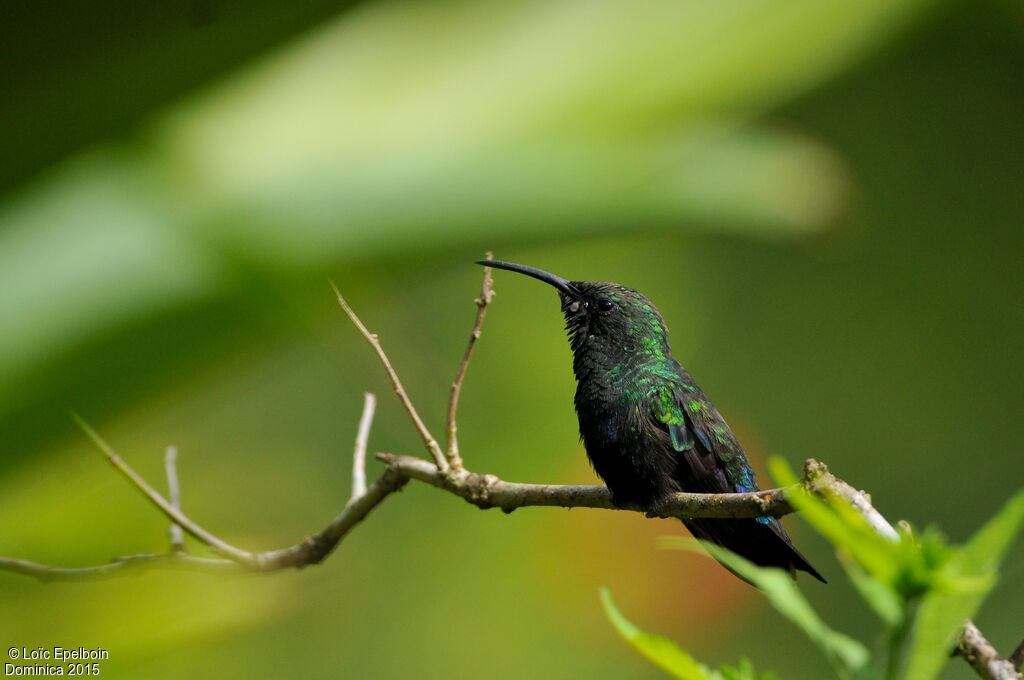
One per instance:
(428, 439)
(311, 550)
(486, 295)
(173, 560)
(314, 549)
(359, 451)
(174, 491)
(982, 656)
(174, 514)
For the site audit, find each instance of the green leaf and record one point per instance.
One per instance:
(661, 651)
(848, 656)
(369, 137)
(899, 565)
(744, 670)
(964, 582)
(885, 601)
(60, 69)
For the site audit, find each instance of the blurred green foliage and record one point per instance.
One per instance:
(669, 657)
(935, 588)
(823, 198)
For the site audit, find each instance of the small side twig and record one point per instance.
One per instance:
(172, 560)
(486, 295)
(172, 513)
(982, 656)
(174, 491)
(428, 439)
(359, 451)
(1017, 658)
(311, 550)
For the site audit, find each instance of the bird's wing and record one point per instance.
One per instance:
(711, 460)
(710, 456)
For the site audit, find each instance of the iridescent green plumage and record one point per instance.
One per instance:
(649, 430)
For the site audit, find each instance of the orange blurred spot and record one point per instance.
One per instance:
(585, 549)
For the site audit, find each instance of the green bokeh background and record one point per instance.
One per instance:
(823, 198)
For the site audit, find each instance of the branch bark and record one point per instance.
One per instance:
(488, 491)
(983, 657)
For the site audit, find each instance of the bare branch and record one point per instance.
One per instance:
(312, 550)
(359, 451)
(428, 439)
(174, 514)
(173, 560)
(982, 656)
(820, 480)
(486, 295)
(174, 491)
(488, 491)
(309, 551)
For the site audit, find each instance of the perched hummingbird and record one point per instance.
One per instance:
(649, 430)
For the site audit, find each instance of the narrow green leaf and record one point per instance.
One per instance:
(744, 670)
(964, 582)
(885, 601)
(843, 526)
(661, 651)
(848, 656)
(989, 544)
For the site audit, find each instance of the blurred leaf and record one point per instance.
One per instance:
(966, 580)
(475, 128)
(885, 601)
(56, 56)
(744, 670)
(900, 565)
(849, 657)
(371, 136)
(100, 251)
(661, 651)
(718, 176)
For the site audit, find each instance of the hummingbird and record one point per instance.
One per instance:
(648, 428)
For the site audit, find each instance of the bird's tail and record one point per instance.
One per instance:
(764, 543)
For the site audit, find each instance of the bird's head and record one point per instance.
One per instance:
(611, 319)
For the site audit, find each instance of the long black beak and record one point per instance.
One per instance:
(558, 282)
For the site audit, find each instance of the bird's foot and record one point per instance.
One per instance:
(619, 501)
(658, 507)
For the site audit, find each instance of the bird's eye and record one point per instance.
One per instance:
(605, 305)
